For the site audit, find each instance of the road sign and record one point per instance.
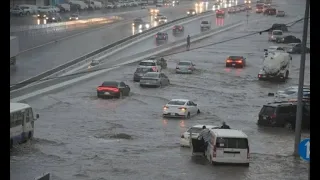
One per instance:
(304, 149)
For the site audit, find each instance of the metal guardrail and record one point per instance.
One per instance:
(102, 51)
(16, 29)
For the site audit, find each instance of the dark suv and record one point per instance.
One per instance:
(283, 114)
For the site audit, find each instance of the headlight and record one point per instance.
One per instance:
(193, 12)
(38, 15)
(132, 24)
(70, 18)
(44, 15)
(77, 18)
(147, 25)
(140, 26)
(53, 18)
(188, 12)
(165, 20)
(47, 18)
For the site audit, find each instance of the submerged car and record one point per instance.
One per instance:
(155, 79)
(141, 71)
(288, 39)
(113, 89)
(178, 29)
(161, 37)
(180, 108)
(93, 63)
(195, 130)
(236, 61)
(296, 48)
(185, 67)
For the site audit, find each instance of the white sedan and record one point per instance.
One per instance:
(195, 130)
(180, 108)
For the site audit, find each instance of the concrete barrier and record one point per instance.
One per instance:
(99, 72)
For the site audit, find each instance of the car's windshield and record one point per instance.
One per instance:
(277, 33)
(204, 22)
(176, 102)
(151, 75)
(184, 63)
(16, 8)
(94, 63)
(110, 83)
(147, 64)
(74, 15)
(195, 130)
(235, 57)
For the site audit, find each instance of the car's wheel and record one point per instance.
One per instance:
(188, 115)
(29, 135)
(287, 75)
(288, 126)
(120, 95)
(20, 14)
(160, 85)
(27, 13)
(198, 112)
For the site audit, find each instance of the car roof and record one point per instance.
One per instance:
(276, 30)
(17, 106)
(229, 133)
(275, 104)
(207, 126)
(153, 73)
(183, 100)
(148, 61)
(293, 44)
(185, 61)
(273, 47)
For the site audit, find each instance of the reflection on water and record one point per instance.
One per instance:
(41, 21)
(219, 21)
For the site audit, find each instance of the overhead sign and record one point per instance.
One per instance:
(304, 149)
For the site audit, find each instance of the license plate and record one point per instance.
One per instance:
(106, 93)
(172, 114)
(264, 118)
(147, 83)
(233, 64)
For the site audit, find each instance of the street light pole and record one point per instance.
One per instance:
(301, 81)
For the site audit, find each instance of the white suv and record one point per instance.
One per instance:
(150, 63)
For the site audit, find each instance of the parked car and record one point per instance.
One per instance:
(110, 5)
(17, 11)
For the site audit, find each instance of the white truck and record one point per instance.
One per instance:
(276, 66)
(14, 49)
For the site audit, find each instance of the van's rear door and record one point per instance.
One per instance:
(232, 148)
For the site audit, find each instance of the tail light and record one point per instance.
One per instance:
(183, 109)
(248, 153)
(182, 136)
(154, 68)
(180, 28)
(214, 154)
(174, 28)
(165, 107)
(190, 68)
(239, 61)
(229, 61)
(101, 88)
(259, 75)
(273, 116)
(156, 36)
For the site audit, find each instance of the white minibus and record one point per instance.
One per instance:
(21, 123)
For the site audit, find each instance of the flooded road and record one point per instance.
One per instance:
(79, 136)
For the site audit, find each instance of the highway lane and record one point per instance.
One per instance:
(79, 135)
(34, 62)
(30, 39)
(191, 29)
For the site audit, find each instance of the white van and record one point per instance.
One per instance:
(80, 4)
(95, 5)
(29, 9)
(225, 146)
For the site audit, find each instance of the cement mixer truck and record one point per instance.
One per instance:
(276, 66)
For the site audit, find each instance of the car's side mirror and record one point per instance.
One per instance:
(37, 116)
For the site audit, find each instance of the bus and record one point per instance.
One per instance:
(21, 123)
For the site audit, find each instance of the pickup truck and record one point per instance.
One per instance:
(205, 25)
(14, 49)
